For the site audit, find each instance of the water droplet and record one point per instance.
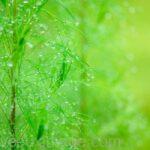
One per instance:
(10, 64)
(29, 44)
(1, 28)
(77, 24)
(25, 1)
(132, 10)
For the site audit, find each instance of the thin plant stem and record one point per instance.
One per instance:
(13, 83)
(83, 76)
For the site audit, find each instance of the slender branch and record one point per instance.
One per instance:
(13, 82)
(83, 76)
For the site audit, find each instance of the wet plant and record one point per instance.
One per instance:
(62, 72)
(17, 22)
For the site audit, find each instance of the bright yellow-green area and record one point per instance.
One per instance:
(139, 46)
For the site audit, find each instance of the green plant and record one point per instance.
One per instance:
(62, 73)
(16, 22)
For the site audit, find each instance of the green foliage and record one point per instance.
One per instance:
(40, 130)
(4, 2)
(67, 64)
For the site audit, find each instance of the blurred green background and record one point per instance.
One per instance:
(139, 47)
